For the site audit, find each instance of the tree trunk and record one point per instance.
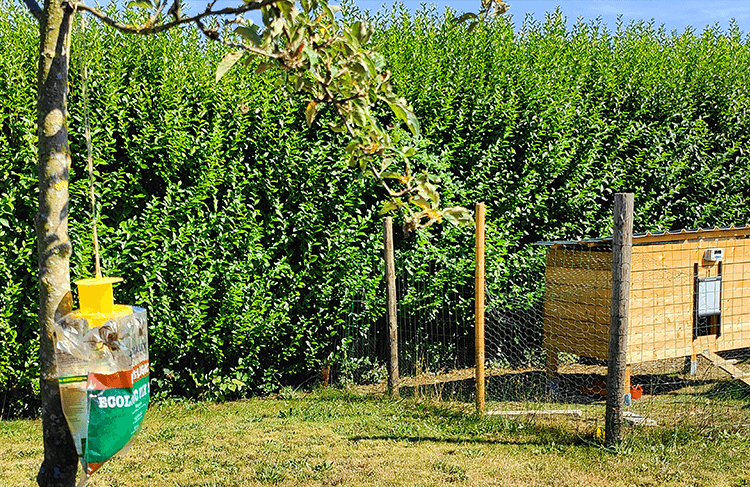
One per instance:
(54, 248)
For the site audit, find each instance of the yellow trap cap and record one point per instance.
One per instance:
(95, 294)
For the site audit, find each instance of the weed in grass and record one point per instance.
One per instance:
(473, 452)
(29, 453)
(273, 446)
(269, 473)
(454, 473)
(160, 436)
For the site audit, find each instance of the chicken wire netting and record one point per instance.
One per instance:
(547, 338)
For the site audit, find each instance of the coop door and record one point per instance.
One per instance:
(707, 305)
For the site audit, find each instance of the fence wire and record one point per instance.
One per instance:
(547, 337)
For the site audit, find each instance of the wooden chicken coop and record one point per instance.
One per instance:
(689, 295)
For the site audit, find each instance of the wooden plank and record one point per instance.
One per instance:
(578, 277)
(684, 256)
(574, 293)
(665, 317)
(649, 338)
(663, 353)
(726, 366)
(563, 324)
(733, 338)
(672, 298)
(579, 259)
(677, 258)
(479, 309)
(734, 234)
(581, 333)
(573, 312)
(661, 278)
(572, 413)
(579, 342)
(736, 271)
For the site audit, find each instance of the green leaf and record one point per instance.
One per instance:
(398, 110)
(391, 175)
(385, 164)
(337, 128)
(421, 202)
(427, 191)
(288, 10)
(403, 112)
(359, 114)
(361, 32)
(389, 206)
(250, 34)
(310, 112)
(226, 63)
(329, 10)
(263, 67)
(140, 4)
(458, 215)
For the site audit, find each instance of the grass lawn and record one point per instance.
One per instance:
(330, 437)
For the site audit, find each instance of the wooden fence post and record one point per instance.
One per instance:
(479, 310)
(390, 279)
(622, 245)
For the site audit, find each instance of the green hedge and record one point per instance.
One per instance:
(243, 233)
(547, 123)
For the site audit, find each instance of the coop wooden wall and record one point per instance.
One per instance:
(578, 293)
(662, 296)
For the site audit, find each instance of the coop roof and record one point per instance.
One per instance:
(657, 238)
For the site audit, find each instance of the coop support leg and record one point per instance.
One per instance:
(694, 364)
(691, 365)
(626, 386)
(552, 365)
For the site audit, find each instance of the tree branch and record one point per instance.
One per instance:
(215, 36)
(34, 8)
(151, 27)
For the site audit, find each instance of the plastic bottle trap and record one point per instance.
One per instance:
(103, 371)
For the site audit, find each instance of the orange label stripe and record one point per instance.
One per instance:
(120, 379)
(140, 371)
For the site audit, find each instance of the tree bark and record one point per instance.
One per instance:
(622, 248)
(391, 309)
(54, 248)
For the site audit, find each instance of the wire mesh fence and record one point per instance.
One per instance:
(547, 335)
(435, 334)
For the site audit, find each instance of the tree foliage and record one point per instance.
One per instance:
(244, 232)
(334, 63)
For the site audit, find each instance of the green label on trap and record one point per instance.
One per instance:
(115, 417)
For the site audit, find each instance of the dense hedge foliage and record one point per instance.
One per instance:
(244, 234)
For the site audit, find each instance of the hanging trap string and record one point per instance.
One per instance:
(89, 148)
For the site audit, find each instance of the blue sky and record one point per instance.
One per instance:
(674, 15)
